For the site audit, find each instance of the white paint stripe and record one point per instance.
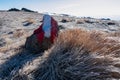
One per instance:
(47, 25)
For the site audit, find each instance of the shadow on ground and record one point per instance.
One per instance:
(75, 63)
(15, 63)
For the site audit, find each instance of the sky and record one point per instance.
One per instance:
(91, 8)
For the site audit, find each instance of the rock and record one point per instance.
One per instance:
(88, 21)
(61, 27)
(34, 46)
(111, 23)
(27, 23)
(64, 20)
(46, 44)
(105, 19)
(64, 15)
(26, 10)
(13, 9)
(11, 32)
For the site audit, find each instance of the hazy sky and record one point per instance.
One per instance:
(73, 7)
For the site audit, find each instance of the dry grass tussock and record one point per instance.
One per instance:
(13, 41)
(31, 20)
(81, 55)
(116, 34)
(18, 33)
(95, 42)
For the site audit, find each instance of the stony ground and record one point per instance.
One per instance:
(15, 27)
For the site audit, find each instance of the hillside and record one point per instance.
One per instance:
(86, 48)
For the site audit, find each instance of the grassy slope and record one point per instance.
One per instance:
(76, 54)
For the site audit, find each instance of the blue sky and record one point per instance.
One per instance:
(93, 8)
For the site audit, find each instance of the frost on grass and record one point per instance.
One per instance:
(76, 55)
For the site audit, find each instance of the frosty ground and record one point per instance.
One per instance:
(17, 63)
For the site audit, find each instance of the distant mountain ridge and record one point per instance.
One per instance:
(22, 9)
